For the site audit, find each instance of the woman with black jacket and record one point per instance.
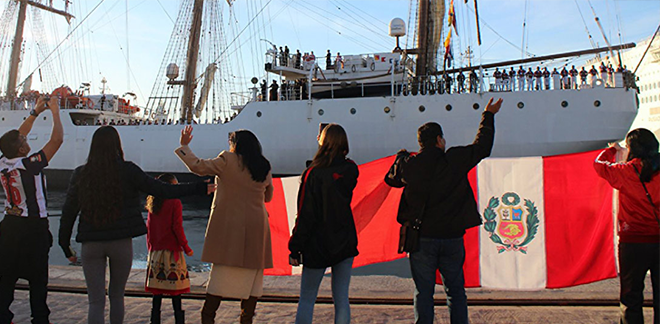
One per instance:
(325, 235)
(106, 194)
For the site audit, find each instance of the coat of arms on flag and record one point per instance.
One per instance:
(507, 224)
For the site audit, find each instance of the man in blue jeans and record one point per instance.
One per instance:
(437, 197)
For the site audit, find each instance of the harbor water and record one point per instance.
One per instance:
(195, 217)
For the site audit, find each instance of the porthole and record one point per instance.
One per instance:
(475, 106)
(597, 103)
(258, 113)
(422, 108)
(321, 112)
(3, 118)
(521, 105)
(448, 107)
(24, 118)
(387, 110)
(353, 111)
(44, 117)
(564, 104)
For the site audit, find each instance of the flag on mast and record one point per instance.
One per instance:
(452, 16)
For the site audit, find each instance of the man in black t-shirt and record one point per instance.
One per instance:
(24, 236)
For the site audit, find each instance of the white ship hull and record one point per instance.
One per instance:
(288, 129)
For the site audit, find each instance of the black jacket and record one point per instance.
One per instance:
(130, 223)
(439, 179)
(325, 231)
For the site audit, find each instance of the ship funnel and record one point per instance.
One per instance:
(397, 27)
(172, 71)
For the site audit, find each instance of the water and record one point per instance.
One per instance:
(195, 217)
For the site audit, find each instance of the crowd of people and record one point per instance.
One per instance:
(437, 206)
(543, 79)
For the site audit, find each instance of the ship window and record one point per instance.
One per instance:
(564, 103)
(475, 106)
(353, 111)
(597, 103)
(258, 113)
(321, 112)
(422, 108)
(3, 118)
(448, 107)
(44, 117)
(387, 110)
(521, 105)
(24, 118)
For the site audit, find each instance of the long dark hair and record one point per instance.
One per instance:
(247, 147)
(154, 204)
(334, 143)
(643, 145)
(100, 180)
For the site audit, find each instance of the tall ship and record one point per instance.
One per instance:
(380, 98)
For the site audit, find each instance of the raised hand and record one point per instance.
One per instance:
(190, 253)
(494, 107)
(186, 135)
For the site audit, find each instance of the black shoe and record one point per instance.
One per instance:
(180, 317)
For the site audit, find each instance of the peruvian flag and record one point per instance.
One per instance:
(548, 222)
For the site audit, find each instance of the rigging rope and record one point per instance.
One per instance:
(62, 42)
(586, 28)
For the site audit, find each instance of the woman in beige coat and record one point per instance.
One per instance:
(237, 240)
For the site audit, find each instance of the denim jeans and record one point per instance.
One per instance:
(309, 289)
(448, 256)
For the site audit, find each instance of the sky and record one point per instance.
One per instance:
(102, 44)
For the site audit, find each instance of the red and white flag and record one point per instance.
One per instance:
(548, 222)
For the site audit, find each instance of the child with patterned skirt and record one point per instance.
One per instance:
(167, 273)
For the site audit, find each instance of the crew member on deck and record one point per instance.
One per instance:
(264, 86)
(583, 77)
(273, 91)
(603, 72)
(298, 59)
(564, 78)
(461, 82)
(529, 75)
(512, 79)
(546, 78)
(556, 79)
(328, 61)
(498, 79)
(505, 81)
(574, 73)
(286, 55)
(473, 81)
(521, 79)
(339, 62)
(594, 75)
(537, 78)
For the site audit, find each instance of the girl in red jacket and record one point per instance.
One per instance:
(167, 273)
(638, 182)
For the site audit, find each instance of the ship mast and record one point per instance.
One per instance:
(189, 83)
(18, 40)
(422, 40)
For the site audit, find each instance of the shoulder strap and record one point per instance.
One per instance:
(648, 196)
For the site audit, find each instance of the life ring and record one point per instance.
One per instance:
(372, 66)
(353, 69)
(153, 115)
(90, 104)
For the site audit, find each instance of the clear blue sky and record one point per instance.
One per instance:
(351, 27)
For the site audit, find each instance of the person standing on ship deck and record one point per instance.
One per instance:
(574, 74)
(603, 72)
(273, 91)
(538, 75)
(24, 235)
(286, 55)
(583, 77)
(593, 75)
(521, 79)
(505, 80)
(461, 82)
(546, 78)
(564, 79)
(298, 59)
(237, 240)
(498, 79)
(328, 61)
(512, 79)
(529, 75)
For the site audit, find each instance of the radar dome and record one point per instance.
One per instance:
(397, 27)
